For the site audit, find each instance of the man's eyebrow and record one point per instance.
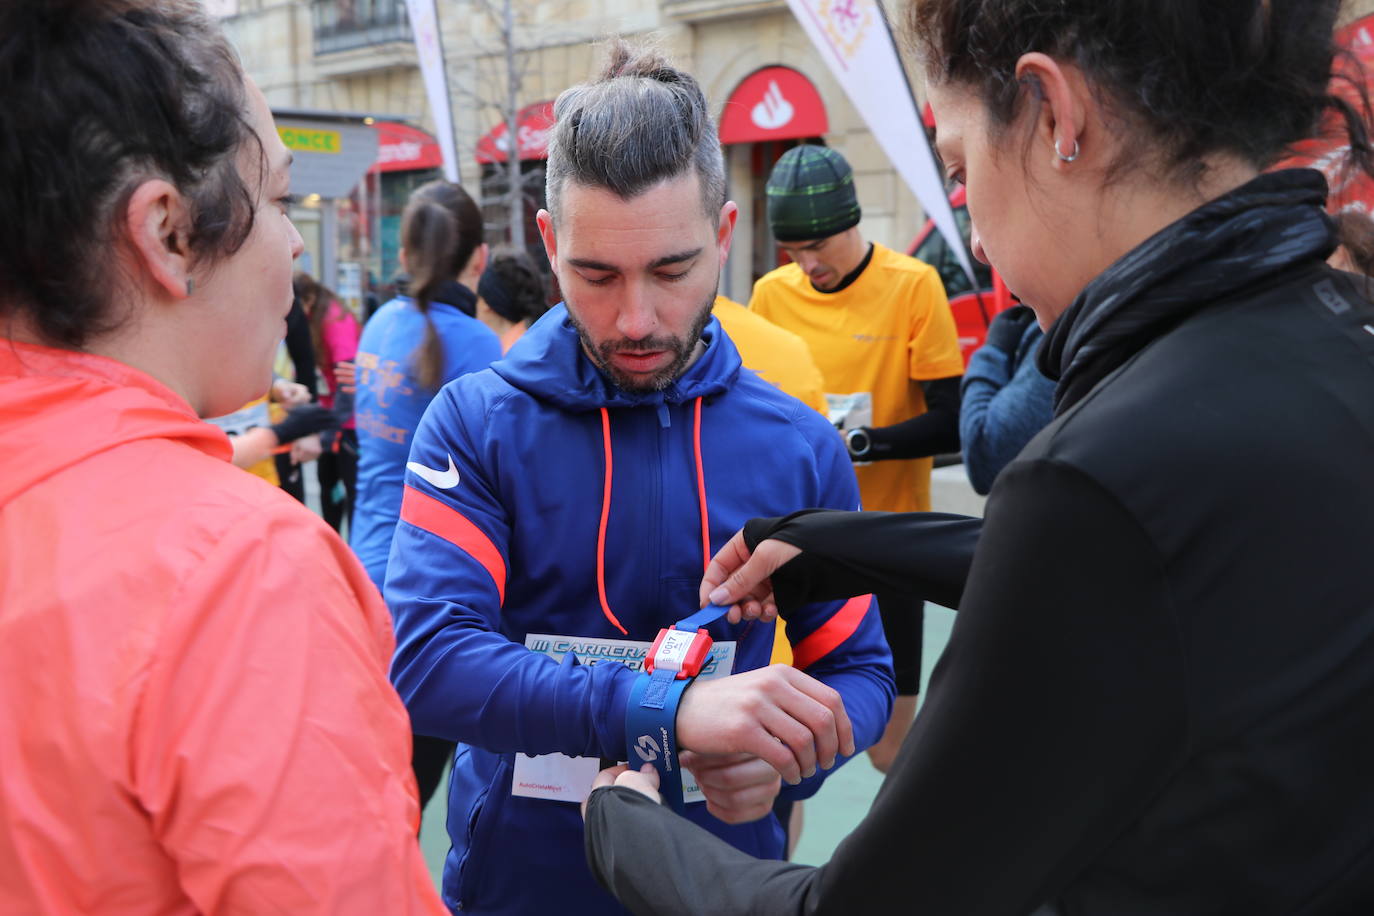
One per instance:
(676, 258)
(589, 264)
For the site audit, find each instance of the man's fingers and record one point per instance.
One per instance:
(734, 777)
(824, 715)
(698, 762)
(741, 790)
(806, 746)
(779, 756)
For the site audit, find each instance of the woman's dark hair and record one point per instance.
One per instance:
(1195, 77)
(513, 287)
(1355, 231)
(440, 229)
(99, 96)
(315, 298)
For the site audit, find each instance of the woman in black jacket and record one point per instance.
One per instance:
(1159, 690)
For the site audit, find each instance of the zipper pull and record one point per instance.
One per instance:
(664, 420)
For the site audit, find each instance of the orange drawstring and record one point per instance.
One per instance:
(605, 516)
(701, 492)
(606, 509)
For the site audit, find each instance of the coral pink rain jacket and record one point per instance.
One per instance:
(192, 672)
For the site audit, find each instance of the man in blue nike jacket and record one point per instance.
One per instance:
(561, 506)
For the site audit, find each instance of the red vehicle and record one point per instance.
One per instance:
(973, 305)
(1329, 150)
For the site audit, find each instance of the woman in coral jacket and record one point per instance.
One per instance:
(192, 667)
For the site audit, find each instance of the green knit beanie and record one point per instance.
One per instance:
(811, 195)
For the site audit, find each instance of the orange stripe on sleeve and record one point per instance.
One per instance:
(446, 522)
(831, 633)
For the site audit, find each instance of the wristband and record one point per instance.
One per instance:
(671, 666)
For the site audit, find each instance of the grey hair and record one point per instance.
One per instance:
(640, 122)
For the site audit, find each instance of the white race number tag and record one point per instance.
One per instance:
(559, 777)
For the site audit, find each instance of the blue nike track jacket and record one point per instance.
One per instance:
(560, 504)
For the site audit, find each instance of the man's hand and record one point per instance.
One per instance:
(787, 718)
(738, 787)
(735, 578)
(644, 782)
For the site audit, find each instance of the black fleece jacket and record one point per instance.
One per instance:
(1158, 694)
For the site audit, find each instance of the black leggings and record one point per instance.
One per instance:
(430, 756)
(904, 624)
(333, 468)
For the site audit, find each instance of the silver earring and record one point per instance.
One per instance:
(190, 286)
(1071, 156)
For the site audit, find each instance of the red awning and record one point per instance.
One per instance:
(1329, 151)
(532, 126)
(402, 148)
(775, 103)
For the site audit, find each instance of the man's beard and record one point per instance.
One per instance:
(680, 347)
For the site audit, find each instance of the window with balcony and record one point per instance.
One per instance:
(342, 25)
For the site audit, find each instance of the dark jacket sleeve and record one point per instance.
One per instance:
(1054, 715)
(934, 432)
(1006, 401)
(922, 554)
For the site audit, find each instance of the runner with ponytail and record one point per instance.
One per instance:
(413, 346)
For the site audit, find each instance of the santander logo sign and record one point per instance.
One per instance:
(773, 111)
(773, 103)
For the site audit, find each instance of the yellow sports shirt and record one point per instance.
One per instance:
(782, 358)
(779, 356)
(874, 341)
(255, 413)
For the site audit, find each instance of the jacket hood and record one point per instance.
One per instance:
(549, 364)
(58, 408)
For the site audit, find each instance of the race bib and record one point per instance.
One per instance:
(559, 777)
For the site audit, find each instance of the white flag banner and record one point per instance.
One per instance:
(424, 24)
(855, 41)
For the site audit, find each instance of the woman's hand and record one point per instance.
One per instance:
(289, 393)
(346, 376)
(734, 577)
(306, 448)
(645, 782)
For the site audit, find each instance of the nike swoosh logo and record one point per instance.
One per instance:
(444, 480)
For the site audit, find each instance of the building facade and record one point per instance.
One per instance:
(762, 77)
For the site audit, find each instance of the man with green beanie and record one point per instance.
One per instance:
(880, 328)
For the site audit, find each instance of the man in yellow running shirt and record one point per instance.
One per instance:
(879, 327)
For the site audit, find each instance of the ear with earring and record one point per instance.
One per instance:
(1062, 156)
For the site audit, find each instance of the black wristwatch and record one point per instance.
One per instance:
(859, 442)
